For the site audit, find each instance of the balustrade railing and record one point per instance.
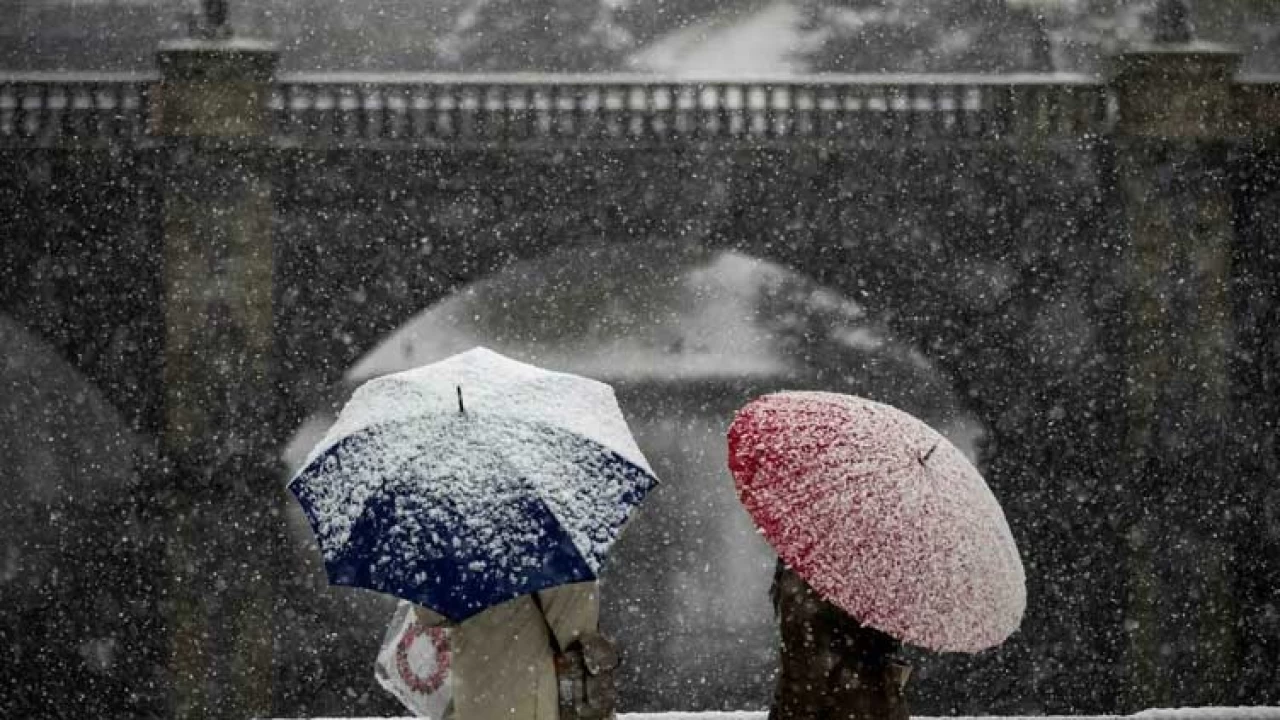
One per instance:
(499, 109)
(61, 108)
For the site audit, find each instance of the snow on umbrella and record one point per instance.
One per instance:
(466, 483)
(669, 312)
(881, 515)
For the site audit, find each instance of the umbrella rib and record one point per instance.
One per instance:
(925, 459)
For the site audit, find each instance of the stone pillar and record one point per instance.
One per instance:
(219, 390)
(1172, 143)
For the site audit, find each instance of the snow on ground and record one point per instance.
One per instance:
(762, 43)
(872, 547)
(1204, 713)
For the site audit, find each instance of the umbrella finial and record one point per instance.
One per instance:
(461, 410)
(925, 457)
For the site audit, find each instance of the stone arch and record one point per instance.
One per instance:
(686, 334)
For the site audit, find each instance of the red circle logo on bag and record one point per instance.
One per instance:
(431, 682)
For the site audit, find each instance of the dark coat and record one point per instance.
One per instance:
(832, 667)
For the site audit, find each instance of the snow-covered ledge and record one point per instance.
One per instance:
(1204, 713)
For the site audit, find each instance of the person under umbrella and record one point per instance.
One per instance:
(487, 492)
(538, 656)
(885, 533)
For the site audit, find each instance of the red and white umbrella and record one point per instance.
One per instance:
(882, 516)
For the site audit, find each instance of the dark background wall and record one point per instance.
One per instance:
(1000, 262)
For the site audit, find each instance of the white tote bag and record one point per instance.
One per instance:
(414, 664)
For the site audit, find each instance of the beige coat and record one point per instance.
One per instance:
(503, 659)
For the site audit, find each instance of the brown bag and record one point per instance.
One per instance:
(585, 675)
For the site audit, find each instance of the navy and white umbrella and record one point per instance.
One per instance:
(471, 481)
